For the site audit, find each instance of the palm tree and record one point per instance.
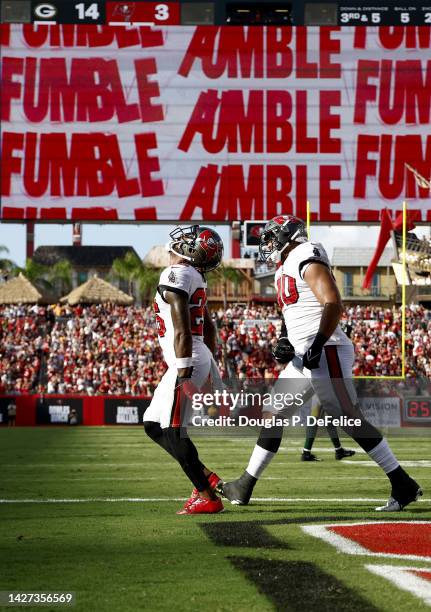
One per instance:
(37, 274)
(60, 275)
(7, 266)
(225, 274)
(148, 280)
(131, 269)
(125, 268)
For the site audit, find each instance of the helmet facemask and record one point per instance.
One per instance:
(278, 234)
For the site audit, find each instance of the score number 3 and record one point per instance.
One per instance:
(161, 12)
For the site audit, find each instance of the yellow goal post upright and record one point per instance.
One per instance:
(403, 297)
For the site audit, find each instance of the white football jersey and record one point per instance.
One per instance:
(301, 309)
(184, 279)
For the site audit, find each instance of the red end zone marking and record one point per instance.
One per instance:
(389, 538)
(396, 539)
(425, 574)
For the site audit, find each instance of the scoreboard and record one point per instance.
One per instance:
(105, 13)
(371, 13)
(219, 12)
(417, 411)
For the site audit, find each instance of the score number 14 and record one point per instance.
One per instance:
(92, 12)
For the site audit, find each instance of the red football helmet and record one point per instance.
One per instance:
(279, 233)
(199, 245)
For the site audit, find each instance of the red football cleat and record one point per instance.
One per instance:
(190, 500)
(204, 506)
(213, 480)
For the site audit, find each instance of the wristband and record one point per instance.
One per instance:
(184, 362)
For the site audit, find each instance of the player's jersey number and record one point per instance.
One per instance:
(161, 327)
(287, 292)
(197, 302)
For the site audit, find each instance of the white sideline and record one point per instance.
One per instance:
(89, 500)
(364, 463)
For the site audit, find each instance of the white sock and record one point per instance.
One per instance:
(259, 459)
(384, 457)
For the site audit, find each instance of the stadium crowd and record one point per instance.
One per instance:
(107, 349)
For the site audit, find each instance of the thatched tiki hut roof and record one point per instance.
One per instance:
(97, 291)
(19, 290)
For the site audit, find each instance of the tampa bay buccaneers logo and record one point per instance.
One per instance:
(124, 10)
(255, 231)
(207, 242)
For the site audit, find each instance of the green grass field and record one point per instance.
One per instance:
(120, 554)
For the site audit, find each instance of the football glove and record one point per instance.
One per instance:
(312, 356)
(283, 352)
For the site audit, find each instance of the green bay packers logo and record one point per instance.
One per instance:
(45, 11)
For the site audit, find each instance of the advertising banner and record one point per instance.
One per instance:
(5, 402)
(214, 123)
(125, 411)
(58, 411)
(382, 411)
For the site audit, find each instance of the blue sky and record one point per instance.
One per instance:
(143, 237)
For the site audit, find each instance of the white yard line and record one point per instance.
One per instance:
(89, 500)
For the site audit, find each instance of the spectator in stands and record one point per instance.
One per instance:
(109, 349)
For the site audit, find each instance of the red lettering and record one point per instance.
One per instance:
(147, 165)
(201, 44)
(279, 185)
(36, 183)
(148, 89)
(91, 36)
(279, 129)
(237, 200)
(365, 92)
(304, 143)
(392, 153)
(413, 37)
(10, 88)
(328, 47)
(259, 52)
(280, 56)
(329, 195)
(304, 68)
(4, 34)
(329, 121)
(202, 120)
(365, 166)
(10, 164)
(202, 194)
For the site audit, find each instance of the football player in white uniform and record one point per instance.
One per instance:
(188, 338)
(318, 353)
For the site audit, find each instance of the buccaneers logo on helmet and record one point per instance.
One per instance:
(207, 242)
(201, 246)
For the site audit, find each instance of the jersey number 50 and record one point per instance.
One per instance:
(287, 292)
